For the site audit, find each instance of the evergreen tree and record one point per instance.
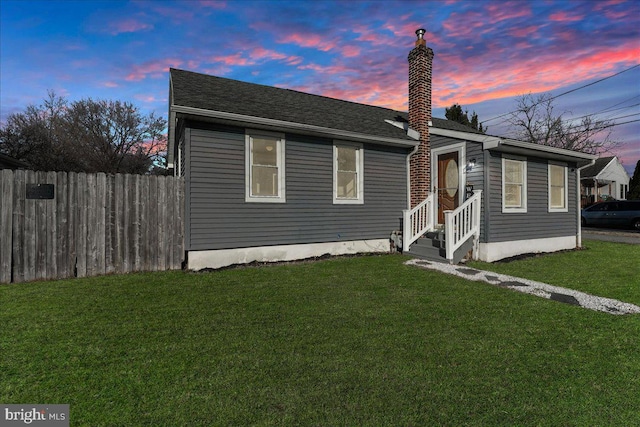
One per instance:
(455, 113)
(634, 184)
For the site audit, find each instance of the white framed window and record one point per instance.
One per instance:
(514, 185)
(264, 167)
(348, 173)
(558, 185)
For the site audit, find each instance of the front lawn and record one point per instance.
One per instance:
(350, 341)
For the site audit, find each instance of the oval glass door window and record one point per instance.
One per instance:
(451, 178)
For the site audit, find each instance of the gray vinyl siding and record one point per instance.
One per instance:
(537, 222)
(219, 218)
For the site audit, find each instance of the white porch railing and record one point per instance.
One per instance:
(461, 224)
(417, 221)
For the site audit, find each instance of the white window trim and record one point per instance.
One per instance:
(359, 171)
(566, 187)
(523, 208)
(280, 147)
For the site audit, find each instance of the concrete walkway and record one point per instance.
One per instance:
(543, 290)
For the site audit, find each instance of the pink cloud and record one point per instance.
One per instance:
(565, 17)
(110, 84)
(350, 51)
(523, 45)
(466, 25)
(470, 24)
(153, 69)
(129, 25)
(146, 98)
(603, 5)
(262, 53)
(309, 40)
(373, 36)
(192, 65)
(467, 84)
(408, 29)
(616, 16)
(609, 10)
(176, 14)
(213, 4)
(234, 60)
(524, 31)
(502, 11)
(217, 70)
(255, 56)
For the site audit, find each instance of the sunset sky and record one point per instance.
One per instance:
(486, 52)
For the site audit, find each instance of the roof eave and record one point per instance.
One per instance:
(252, 121)
(516, 147)
(604, 168)
(544, 151)
(487, 140)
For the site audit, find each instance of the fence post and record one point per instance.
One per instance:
(18, 250)
(6, 224)
(118, 223)
(62, 222)
(51, 229)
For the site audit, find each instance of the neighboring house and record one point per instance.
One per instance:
(605, 179)
(274, 174)
(7, 162)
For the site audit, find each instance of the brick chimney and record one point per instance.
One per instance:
(420, 62)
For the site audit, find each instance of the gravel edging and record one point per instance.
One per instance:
(539, 289)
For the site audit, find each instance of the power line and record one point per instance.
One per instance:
(565, 93)
(623, 123)
(619, 103)
(605, 119)
(611, 124)
(597, 81)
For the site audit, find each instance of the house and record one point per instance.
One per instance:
(275, 174)
(606, 178)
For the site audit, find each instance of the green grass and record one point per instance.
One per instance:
(354, 341)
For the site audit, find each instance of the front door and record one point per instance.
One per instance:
(448, 183)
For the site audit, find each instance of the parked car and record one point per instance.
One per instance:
(616, 213)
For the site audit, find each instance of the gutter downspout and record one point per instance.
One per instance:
(405, 213)
(579, 207)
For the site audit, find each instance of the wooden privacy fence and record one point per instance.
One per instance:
(56, 225)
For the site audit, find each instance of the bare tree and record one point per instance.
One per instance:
(35, 136)
(114, 136)
(86, 135)
(535, 121)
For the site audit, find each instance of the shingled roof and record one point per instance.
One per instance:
(595, 169)
(205, 92)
